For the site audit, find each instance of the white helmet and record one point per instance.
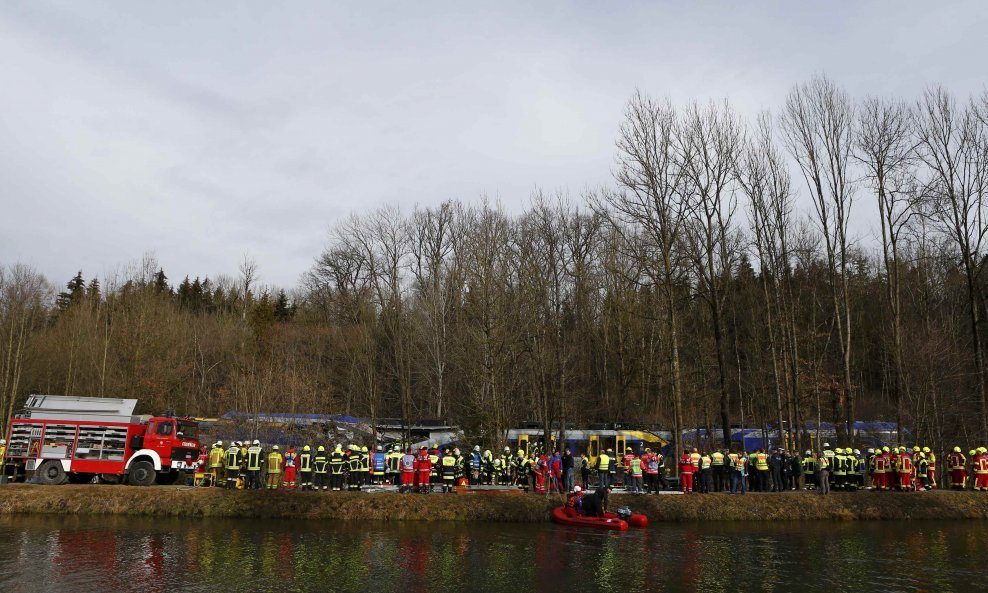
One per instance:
(276, 447)
(857, 452)
(3, 441)
(476, 447)
(219, 443)
(826, 444)
(577, 489)
(257, 442)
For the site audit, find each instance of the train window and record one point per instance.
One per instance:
(619, 446)
(594, 447)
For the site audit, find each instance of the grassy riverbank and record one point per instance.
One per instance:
(188, 502)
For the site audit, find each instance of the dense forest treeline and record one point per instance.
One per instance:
(692, 292)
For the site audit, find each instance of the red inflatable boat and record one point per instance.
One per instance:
(636, 520)
(567, 516)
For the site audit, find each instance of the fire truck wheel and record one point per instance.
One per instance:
(141, 474)
(51, 473)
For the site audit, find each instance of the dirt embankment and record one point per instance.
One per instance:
(165, 501)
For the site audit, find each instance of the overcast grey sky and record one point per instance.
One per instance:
(203, 130)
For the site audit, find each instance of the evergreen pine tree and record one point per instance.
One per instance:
(219, 299)
(74, 293)
(195, 295)
(161, 282)
(283, 310)
(185, 294)
(207, 296)
(93, 293)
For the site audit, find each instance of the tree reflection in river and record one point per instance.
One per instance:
(120, 554)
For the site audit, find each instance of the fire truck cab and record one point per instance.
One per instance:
(63, 439)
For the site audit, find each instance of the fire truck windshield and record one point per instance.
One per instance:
(188, 430)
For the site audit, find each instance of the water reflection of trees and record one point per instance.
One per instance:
(306, 556)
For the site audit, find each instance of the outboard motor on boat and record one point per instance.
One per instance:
(624, 513)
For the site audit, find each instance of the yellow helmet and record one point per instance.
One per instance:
(957, 449)
(363, 449)
(434, 446)
(339, 449)
(306, 448)
(971, 452)
(982, 450)
(885, 449)
(916, 448)
(926, 449)
(521, 451)
(321, 448)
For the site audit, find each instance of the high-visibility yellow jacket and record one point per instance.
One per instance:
(216, 455)
(275, 462)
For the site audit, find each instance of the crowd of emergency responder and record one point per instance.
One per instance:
(885, 468)
(247, 465)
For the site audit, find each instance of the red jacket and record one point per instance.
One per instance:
(422, 462)
(685, 464)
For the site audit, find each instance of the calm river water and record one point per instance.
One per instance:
(118, 554)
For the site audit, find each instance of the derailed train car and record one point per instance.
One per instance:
(591, 441)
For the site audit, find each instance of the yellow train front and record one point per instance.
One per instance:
(590, 441)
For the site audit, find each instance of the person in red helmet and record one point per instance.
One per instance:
(406, 466)
(423, 468)
(686, 471)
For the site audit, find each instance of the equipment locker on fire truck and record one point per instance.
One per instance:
(62, 439)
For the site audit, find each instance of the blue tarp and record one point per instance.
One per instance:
(869, 434)
(293, 418)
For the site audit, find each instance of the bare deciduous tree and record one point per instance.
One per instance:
(885, 143)
(651, 204)
(818, 120)
(953, 146)
(709, 146)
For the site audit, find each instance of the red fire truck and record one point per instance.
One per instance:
(74, 439)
